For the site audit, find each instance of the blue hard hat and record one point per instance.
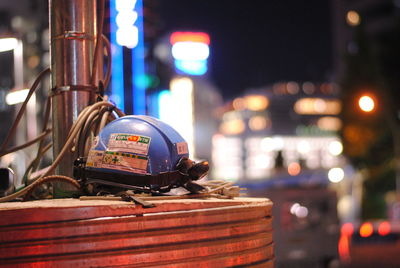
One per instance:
(137, 144)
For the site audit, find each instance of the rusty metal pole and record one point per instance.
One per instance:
(72, 35)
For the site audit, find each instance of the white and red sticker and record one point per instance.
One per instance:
(118, 161)
(135, 144)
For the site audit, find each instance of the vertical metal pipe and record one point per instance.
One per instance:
(72, 35)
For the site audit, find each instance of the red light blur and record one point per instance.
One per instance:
(344, 242)
(384, 228)
(294, 169)
(347, 229)
(189, 37)
(366, 229)
(344, 248)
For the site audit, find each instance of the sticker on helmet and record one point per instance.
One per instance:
(117, 161)
(182, 148)
(95, 158)
(125, 162)
(129, 143)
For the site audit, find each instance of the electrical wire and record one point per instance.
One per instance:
(98, 40)
(36, 161)
(37, 183)
(39, 154)
(79, 123)
(88, 118)
(92, 119)
(107, 45)
(27, 144)
(103, 121)
(51, 178)
(21, 111)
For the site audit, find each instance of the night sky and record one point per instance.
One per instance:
(258, 42)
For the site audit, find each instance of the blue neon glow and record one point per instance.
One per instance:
(117, 71)
(191, 67)
(138, 88)
(153, 108)
(165, 111)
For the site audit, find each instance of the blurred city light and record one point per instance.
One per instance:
(366, 229)
(344, 242)
(347, 229)
(294, 207)
(239, 104)
(384, 228)
(17, 96)
(257, 123)
(366, 103)
(165, 105)
(127, 17)
(189, 37)
(185, 51)
(176, 108)
(123, 5)
(192, 67)
(267, 144)
(336, 175)
(7, 44)
(308, 88)
(299, 210)
(317, 106)
(329, 123)
(127, 36)
(353, 18)
(335, 148)
(233, 127)
(190, 51)
(127, 33)
(294, 169)
(292, 88)
(312, 152)
(227, 156)
(256, 102)
(303, 147)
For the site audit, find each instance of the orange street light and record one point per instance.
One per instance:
(366, 103)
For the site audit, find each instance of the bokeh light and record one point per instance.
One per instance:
(353, 18)
(335, 148)
(347, 229)
(257, 123)
(366, 229)
(384, 228)
(366, 103)
(336, 175)
(257, 102)
(294, 169)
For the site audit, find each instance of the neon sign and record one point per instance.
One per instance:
(190, 51)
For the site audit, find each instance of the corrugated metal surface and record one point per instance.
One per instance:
(179, 233)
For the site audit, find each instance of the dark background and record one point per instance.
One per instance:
(258, 42)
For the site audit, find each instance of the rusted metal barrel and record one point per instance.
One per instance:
(175, 233)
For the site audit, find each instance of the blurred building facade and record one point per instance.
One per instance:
(285, 128)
